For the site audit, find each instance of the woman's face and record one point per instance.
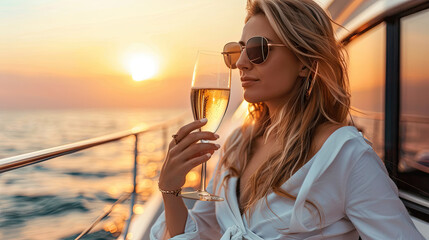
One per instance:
(272, 81)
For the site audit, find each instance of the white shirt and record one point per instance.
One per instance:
(347, 182)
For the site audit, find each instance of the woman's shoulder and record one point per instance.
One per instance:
(338, 131)
(327, 131)
(335, 139)
(342, 148)
(323, 132)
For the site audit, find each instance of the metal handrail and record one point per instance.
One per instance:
(15, 162)
(10, 163)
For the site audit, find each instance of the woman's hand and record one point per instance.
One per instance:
(186, 154)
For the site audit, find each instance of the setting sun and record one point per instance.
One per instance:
(142, 66)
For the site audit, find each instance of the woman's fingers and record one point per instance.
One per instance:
(193, 138)
(191, 163)
(188, 128)
(176, 166)
(196, 150)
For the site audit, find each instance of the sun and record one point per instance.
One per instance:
(142, 66)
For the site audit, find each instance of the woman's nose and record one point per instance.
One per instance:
(243, 61)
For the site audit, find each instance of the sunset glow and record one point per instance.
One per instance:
(142, 67)
(108, 54)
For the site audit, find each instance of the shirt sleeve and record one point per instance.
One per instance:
(200, 224)
(372, 203)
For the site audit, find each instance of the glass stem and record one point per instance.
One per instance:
(203, 172)
(203, 177)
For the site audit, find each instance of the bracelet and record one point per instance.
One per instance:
(174, 192)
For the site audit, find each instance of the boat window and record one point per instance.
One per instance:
(367, 66)
(414, 116)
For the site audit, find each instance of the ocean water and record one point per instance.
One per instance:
(59, 198)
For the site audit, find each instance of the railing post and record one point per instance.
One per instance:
(165, 138)
(134, 193)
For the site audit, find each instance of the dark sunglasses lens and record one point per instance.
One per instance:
(231, 53)
(257, 49)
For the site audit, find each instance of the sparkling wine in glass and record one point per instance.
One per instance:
(211, 83)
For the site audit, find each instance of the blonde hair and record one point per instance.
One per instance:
(305, 28)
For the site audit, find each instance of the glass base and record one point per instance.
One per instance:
(200, 195)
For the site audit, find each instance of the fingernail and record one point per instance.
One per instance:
(217, 145)
(208, 155)
(204, 120)
(216, 136)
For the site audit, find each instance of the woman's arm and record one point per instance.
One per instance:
(176, 214)
(185, 152)
(200, 222)
(372, 203)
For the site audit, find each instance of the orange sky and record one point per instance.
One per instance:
(63, 53)
(73, 53)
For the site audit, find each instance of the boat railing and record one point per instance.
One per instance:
(23, 160)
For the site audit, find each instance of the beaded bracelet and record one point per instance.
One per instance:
(174, 192)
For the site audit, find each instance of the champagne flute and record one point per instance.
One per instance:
(211, 83)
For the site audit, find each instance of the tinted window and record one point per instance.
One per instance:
(367, 82)
(414, 118)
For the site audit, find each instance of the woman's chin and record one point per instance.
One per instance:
(250, 98)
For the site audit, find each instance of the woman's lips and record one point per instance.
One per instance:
(247, 82)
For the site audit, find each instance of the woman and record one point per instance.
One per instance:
(294, 170)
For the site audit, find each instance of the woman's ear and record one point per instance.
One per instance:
(303, 72)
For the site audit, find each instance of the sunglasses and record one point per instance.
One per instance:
(257, 50)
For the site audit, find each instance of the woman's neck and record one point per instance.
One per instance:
(275, 106)
(274, 111)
